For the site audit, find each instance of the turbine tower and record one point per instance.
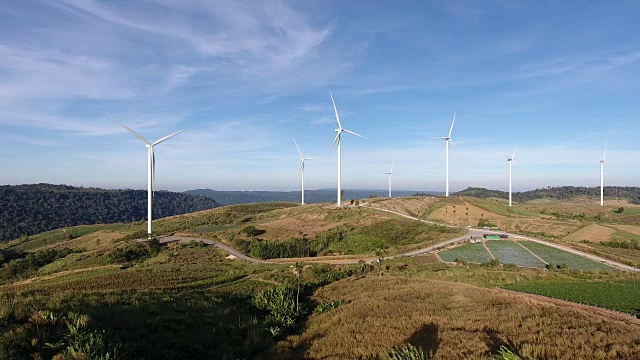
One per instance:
(602, 166)
(390, 173)
(510, 160)
(151, 174)
(339, 130)
(301, 171)
(447, 140)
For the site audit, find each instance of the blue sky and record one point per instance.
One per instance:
(558, 78)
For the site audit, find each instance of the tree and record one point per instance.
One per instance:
(297, 269)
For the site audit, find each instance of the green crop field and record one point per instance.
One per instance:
(474, 253)
(559, 257)
(622, 295)
(508, 252)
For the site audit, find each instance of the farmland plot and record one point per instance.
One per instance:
(558, 257)
(508, 252)
(474, 253)
(597, 293)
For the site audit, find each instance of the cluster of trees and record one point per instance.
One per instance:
(32, 209)
(17, 264)
(632, 194)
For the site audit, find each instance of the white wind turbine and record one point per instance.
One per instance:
(302, 159)
(390, 173)
(151, 174)
(510, 160)
(447, 140)
(339, 130)
(602, 166)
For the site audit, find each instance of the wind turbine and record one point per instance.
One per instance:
(510, 160)
(602, 166)
(339, 130)
(302, 159)
(390, 173)
(151, 174)
(447, 140)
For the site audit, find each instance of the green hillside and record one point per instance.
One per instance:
(31, 209)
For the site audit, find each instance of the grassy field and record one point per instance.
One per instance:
(598, 293)
(559, 257)
(474, 253)
(453, 321)
(508, 252)
(188, 301)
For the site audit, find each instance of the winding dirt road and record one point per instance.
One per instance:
(472, 232)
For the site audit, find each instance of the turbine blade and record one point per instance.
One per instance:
(131, 131)
(354, 133)
(334, 144)
(605, 152)
(168, 137)
(514, 152)
(301, 166)
(453, 122)
(297, 147)
(335, 109)
(392, 165)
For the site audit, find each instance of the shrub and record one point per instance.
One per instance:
(492, 263)
(134, 252)
(251, 231)
(407, 352)
(284, 249)
(460, 261)
(280, 304)
(324, 307)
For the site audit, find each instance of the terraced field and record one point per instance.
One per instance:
(474, 253)
(558, 257)
(509, 252)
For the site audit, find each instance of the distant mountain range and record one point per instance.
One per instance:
(310, 196)
(31, 209)
(630, 193)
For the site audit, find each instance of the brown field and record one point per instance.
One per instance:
(468, 214)
(629, 228)
(456, 321)
(412, 206)
(312, 220)
(592, 233)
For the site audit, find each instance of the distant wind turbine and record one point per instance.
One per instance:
(339, 130)
(151, 174)
(390, 173)
(510, 160)
(602, 166)
(302, 159)
(447, 140)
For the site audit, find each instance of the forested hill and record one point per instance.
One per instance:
(632, 194)
(31, 209)
(310, 196)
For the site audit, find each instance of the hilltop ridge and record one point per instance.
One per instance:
(33, 208)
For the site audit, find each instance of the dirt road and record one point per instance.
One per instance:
(355, 259)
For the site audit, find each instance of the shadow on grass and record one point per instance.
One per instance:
(494, 342)
(197, 325)
(427, 337)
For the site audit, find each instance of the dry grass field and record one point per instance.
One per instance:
(456, 321)
(592, 233)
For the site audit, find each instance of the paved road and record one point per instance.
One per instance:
(338, 260)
